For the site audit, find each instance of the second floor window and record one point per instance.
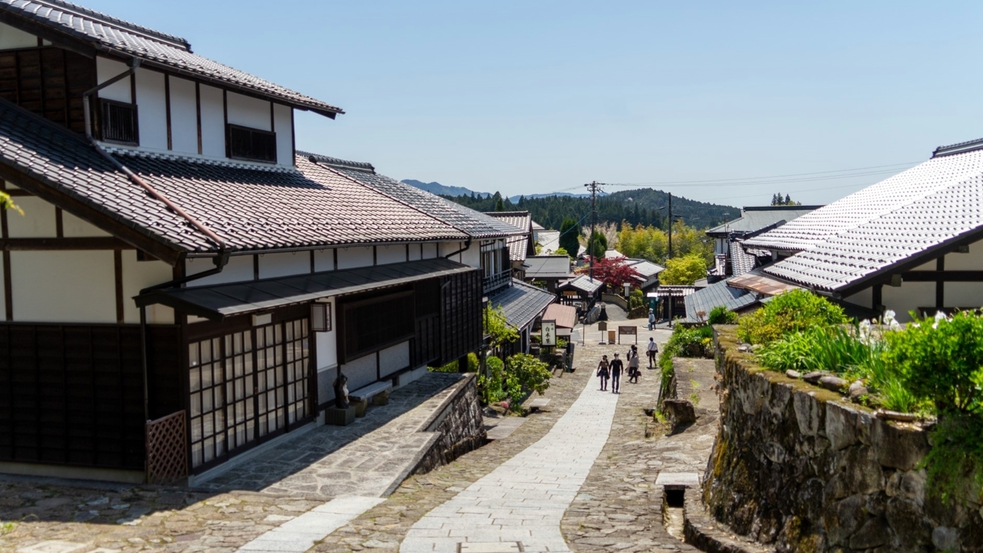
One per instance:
(118, 122)
(250, 144)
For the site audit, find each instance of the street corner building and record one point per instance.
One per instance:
(184, 285)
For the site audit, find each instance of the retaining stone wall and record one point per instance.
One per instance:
(459, 426)
(804, 469)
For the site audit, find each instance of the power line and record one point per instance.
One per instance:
(859, 171)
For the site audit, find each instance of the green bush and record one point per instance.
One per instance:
(525, 372)
(721, 316)
(941, 361)
(491, 386)
(786, 313)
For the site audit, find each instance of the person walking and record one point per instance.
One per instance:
(651, 319)
(616, 367)
(602, 371)
(633, 365)
(652, 350)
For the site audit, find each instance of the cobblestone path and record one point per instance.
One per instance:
(524, 499)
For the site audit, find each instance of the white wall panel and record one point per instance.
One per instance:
(15, 38)
(323, 260)
(249, 112)
(284, 134)
(415, 252)
(963, 294)
(908, 297)
(151, 109)
(212, 122)
(38, 220)
(430, 250)
(395, 358)
(72, 226)
(472, 256)
(325, 385)
(107, 69)
(972, 261)
(284, 264)
(390, 254)
(350, 258)
(327, 343)
(862, 298)
(67, 287)
(184, 116)
(239, 268)
(138, 275)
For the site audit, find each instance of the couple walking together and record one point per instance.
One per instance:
(614, 368)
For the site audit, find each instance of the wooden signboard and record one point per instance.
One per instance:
(629, 331)
(549, 333)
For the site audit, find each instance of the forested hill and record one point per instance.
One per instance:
(643, 206)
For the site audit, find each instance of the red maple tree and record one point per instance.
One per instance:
(614, 272)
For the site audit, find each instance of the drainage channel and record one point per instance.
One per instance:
(672, 511)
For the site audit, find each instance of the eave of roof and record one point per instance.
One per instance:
(115, 36)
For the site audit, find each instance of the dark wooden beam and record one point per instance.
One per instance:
(18, 193)
(939, 284)
(63, 244)
(167, 109)
(118, 273)
(942, 276)
(59, 224)
(89, 214)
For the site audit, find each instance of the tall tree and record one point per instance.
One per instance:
(597, 245)
(569, 236)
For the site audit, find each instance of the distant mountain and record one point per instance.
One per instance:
(442, 190)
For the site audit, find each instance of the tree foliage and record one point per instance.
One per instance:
(684, 270)
(778, 199)
(598, 244)
(653, 244)
(789, 312)
(614, 272)
(569, 236)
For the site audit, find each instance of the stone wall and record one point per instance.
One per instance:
(804, 469)
(458, 426)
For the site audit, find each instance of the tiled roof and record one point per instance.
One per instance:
(716, 294)
(519, 246)
(564, 315)
(549, 240)
(584, 284)
(758, 281)
(740, 260)
(548, 266)
(471, 222)
(758, 217)
(645, 268)
(250, 208)
(884, 225)
(521, 303)
(121, 37)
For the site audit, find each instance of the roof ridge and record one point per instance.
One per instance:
(106, 19)
(187, 158)
(958, 148)
(338, 162)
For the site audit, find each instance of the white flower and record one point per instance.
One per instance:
(889, 317)
(939, 316)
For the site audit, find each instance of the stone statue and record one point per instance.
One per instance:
(341, 391)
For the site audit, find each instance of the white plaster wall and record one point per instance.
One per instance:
(908, 297)
(394, 358)
(284, 134)
(138, 275)
(107, 69)
(323, 260)
(239, 268)
(862, 298)
(416, 252)
(38, 220)
(972, 261)
(349, 258)
(284, 264)
(929, 266)
(249, 112)
(360, 372)
(184, 116)
(325, 384)
(151, 109)
(72, 226)
(430, 251)
(963, 294)
(472, 256)
(327, 343)
(212, 122)
(15, 38)
(66, 287)
(390, 254)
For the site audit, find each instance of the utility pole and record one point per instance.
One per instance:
(593, 186)
(670, 226)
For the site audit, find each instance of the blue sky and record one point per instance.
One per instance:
(536, 97)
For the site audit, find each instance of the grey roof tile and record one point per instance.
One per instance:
(519, 246)
(716, 294)
(758, 217)
(521, 303)
(151, 46)
(548, 266)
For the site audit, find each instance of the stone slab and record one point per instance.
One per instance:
(504, 427)
(339, 417)
(490, 547)
(53, 546)
(678, 479)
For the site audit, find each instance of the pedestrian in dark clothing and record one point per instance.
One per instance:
(603, 316)
(602, 372)
(652, 350)
(651, 318)
(633, 365)
(616, 367)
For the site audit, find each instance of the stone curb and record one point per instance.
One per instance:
(708, 535)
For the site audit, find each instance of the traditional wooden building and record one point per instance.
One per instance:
(178, 260)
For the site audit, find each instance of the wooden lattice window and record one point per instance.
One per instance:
(250, 144)
(118, 122)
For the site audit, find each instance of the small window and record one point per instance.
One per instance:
(250, 144)
(119, 122)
